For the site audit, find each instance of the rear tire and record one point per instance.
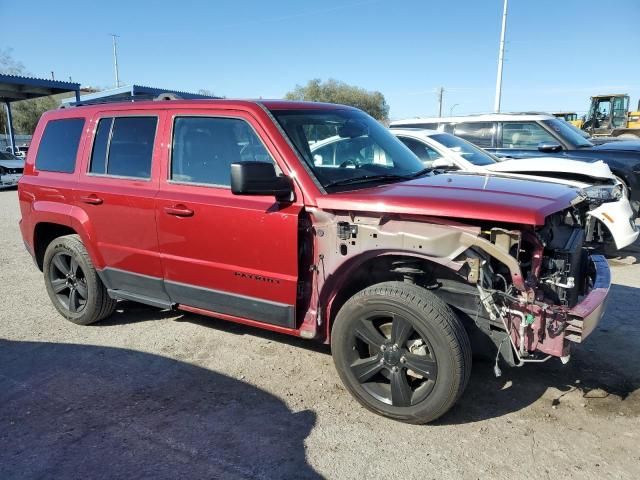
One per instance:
(401, 352)
(73, 284)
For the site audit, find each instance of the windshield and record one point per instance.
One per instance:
(347, 147)
(466, 150)
(563, 129)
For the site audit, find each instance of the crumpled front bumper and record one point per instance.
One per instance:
(585, 316)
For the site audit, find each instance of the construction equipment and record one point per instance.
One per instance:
(609, 116)
(571, 117)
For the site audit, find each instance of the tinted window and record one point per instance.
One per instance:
(525, 135)
(479, 133)
(59, 145)
(99, 153)
(123, 147)
(421, 150)
(204, 149)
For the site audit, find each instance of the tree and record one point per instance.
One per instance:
(26, 113)
(8, 65)
(335, 91)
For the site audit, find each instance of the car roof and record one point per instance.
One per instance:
(217, 103)
(484, 117)
(427, 132)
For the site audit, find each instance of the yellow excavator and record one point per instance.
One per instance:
(609, 116)
(571, 117)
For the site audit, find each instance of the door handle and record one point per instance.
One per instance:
(179, 211)
(92, 199)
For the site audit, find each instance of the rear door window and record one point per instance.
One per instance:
(479, 133)
(59, 145)
(123, 147)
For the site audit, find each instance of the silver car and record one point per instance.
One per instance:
(11, 169)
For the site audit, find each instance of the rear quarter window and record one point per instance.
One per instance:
(479, 133)
(59, 145)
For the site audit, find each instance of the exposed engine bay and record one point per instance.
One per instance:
(558, 274)
(542, 285)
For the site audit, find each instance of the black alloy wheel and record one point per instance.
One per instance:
(68, 282)
(401, 351)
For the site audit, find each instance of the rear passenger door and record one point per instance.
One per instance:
(235, 255)
(117, 189)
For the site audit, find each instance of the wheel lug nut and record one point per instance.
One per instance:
(394, 369)
(403, 360)
(383, 348)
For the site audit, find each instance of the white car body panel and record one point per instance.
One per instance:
(10, 179)
(597, 169)
(616, 216)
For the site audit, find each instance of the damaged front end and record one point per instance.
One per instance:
(563, 293)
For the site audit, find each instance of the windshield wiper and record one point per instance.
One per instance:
(420, 173)
(373, 178)
(366, 179)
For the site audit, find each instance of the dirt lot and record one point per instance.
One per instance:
(153, 394)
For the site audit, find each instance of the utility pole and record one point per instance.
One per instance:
(53, 76)
(496, 105)
(440, 94)
(115, 58)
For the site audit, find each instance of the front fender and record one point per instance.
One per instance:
(618, 218)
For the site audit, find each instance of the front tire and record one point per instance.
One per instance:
(401, 352)
(73, 284)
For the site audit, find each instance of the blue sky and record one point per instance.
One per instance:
(559, 52)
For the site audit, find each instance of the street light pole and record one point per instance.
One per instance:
(115, 58)
(440, 94)
(451, 109)
(496, 105)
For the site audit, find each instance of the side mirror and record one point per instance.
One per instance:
(260, 178)
(548, 147)
(442, 163)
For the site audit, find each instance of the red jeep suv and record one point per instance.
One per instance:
(219, 207)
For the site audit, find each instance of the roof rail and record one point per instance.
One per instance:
(167, 96)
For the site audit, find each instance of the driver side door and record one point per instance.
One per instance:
(228, 254)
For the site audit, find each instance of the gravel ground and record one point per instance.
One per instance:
(158, 394)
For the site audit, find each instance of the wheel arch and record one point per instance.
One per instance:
(370, 268)
(51, 223)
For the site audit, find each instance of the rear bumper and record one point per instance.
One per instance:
(585, 316)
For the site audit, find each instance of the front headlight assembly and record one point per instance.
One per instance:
(604, 193)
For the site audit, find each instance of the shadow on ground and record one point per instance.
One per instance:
(602, 373)
(76, 411)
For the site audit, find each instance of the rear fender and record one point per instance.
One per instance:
(70, 216)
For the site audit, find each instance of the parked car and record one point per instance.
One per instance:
(217, 207)
(535, 135)
(20, 151)
(612, 220)
(10, 170)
